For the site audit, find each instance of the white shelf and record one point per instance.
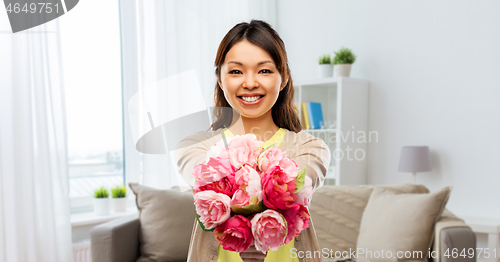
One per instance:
(90, 218)
(344, 101)
(490, 226)
(483, 225)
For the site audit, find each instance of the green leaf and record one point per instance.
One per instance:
(201, 224)
(267, 147)
(325, 59)
(249, 209)
(300, 179)
(344, 56)
(119, 191)
(101, 192)
(262, 151)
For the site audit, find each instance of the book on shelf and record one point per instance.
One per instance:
(315, 114)
(305, 116)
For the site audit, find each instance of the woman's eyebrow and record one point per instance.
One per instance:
(260, 63)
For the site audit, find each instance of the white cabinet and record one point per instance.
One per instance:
(344, 100)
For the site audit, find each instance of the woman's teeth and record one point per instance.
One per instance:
(250, 99)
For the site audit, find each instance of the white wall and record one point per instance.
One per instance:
(432, 68)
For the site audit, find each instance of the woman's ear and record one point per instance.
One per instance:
(284, 84)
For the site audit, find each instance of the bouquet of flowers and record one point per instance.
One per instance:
(248, 195)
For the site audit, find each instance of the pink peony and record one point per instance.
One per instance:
(213, 208)
(289, 167)
(243, 150)
(297, 218)
(305, 193)
(269, 230)
(269, 158)
(240, 198)
(248, 180)
(278, 189)
(219, 150)
(216, 175)
(235, 234)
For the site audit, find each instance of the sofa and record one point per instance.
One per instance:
(336, 212)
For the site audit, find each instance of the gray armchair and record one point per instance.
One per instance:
(116, 240)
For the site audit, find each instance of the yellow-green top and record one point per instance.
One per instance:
(277, 138)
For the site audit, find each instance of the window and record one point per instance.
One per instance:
(90, 40)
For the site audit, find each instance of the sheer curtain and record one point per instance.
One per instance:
(34, 198)
(163, 38)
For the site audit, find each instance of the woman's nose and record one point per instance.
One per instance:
(250, 81)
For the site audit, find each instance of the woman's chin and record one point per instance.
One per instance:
(250, 114)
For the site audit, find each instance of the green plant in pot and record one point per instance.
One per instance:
(119, 198)
(325, 66)
(343, 60)
(102, 204)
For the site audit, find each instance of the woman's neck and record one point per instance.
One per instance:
(263, 127)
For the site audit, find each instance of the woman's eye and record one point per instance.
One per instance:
(264, 71)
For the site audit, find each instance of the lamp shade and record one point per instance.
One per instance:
(415, 159)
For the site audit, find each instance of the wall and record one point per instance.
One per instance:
(432, 68)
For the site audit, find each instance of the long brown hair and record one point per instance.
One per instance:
(263, 35)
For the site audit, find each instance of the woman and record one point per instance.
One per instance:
(254, 83)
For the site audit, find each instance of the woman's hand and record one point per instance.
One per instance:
(252, 255)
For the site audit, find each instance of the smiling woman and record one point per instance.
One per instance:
(254, 83)
(253, 78)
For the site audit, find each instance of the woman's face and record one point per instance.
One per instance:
(250, 80)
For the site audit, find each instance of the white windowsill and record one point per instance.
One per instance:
(90, 218)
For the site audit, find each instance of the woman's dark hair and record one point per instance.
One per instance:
(263, 35)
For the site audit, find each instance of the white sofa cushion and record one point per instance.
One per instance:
(395, 223)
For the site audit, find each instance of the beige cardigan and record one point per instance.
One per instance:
(305, 149)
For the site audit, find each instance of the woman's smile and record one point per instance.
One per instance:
(251, 99)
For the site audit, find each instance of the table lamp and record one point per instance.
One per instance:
(415, 159)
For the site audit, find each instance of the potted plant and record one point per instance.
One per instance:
(119, 198)
(102, 203)
(343, 60)
(325, 66)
